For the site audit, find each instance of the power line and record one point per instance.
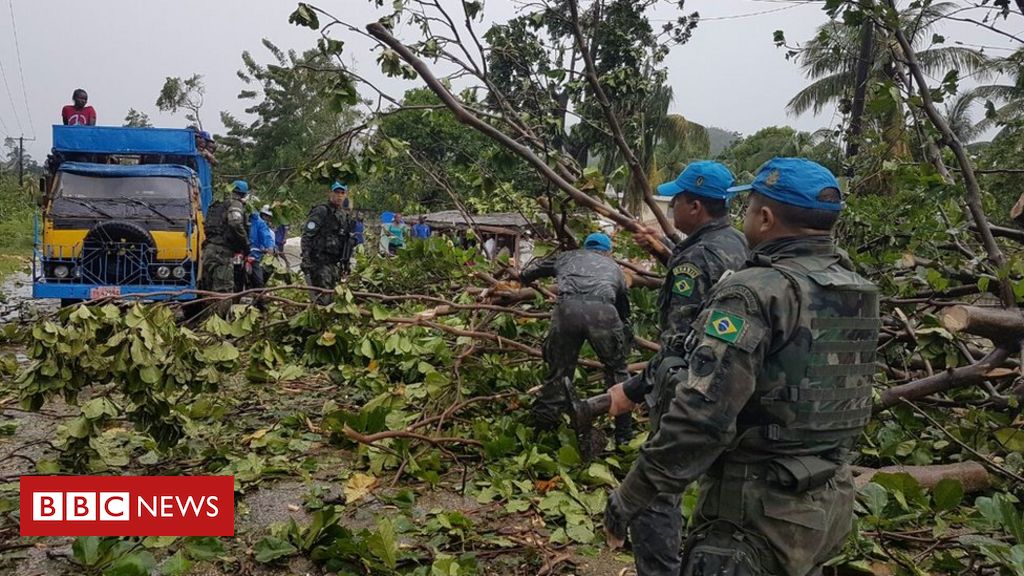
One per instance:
(3, 74)
(21, 71)
(737, 16)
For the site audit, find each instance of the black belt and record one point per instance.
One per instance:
(585, 298)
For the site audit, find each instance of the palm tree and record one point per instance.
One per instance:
(830, 58)
(667, 143)
(1007, 98)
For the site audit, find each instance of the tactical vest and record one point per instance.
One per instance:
(331, 239)
(215, 220)
(827, 363)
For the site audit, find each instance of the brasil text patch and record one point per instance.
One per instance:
(725, 326)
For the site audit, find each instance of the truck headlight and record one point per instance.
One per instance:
(163, 272)
(178, 272)
(61, 271)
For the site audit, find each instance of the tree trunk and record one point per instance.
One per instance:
(971, 475)
(948, 380)
(996, 324)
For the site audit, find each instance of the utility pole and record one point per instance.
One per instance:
(21, 160)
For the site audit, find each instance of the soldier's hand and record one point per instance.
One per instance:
(647, 237)
(620, 403)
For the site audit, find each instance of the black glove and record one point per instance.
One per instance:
(614, 521)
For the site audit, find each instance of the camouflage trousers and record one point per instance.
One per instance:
(218, 275)
(656, 534)
(574, 322)
(746, 527)
(321, 275)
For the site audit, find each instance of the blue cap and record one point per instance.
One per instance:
(240, 186)
(598, 241)
(702, 178)
(387, 217)
(338, 186)
(796, 182)
(205, 135)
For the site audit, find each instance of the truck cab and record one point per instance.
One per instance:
(121, 214)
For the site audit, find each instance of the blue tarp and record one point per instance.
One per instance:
(132, 171)
(117, 140)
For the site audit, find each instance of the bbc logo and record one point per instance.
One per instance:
(80, 506)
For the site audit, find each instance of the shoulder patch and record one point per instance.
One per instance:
(740, 292)
(686, 269)
(311, 225)
(725, 326)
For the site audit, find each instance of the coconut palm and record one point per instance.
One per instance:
(830, 58)
(667, 143)
(1007, 97)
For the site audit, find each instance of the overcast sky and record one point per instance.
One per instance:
(729, 75)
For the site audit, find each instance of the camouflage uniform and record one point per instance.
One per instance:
(225, 236)
(593, 306)
(696, 264)
(777, 391)
(325, 239)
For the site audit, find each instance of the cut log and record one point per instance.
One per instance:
(996, 324)
(962, 377)
(972, 475)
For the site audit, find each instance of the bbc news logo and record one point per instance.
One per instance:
(127, 505)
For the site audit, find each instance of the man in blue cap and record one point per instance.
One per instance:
(592, 306)
(326, 242)
(700, 209)
(225, 236)
(776, 392)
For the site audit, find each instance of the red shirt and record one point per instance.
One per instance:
(75, 117)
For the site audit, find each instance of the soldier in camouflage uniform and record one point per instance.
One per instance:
(700, 209)
(325, 240)
(592, 306)
(225, 236)
(776, 392)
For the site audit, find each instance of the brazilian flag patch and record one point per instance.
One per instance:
(725, 326)
(683, 286)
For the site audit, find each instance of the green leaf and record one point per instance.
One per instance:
(1011, 438)
(204, 547)
(220, 352)
(272, 548)
(305, 16)
(176, 565)
(383, 545)
(568, 456)
(159, 541)
(85, 549)
(875, 498)
(137, 564)
(600, 472)
(579, 533)
(97, 407)
(947, 494)
(149, 374)
(79, 427)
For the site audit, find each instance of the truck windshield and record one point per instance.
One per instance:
(142, 188)
(157, 203)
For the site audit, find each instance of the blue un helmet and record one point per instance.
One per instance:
(240, 187)
(796, 182)
(598, 241)
(339, 186)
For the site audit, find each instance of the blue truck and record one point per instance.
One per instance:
(121, 214)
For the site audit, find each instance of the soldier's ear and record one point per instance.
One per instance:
(767, 220)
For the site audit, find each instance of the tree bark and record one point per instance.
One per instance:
(971, 475)
(1017, 212)
(996, 324)
(948, 380)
